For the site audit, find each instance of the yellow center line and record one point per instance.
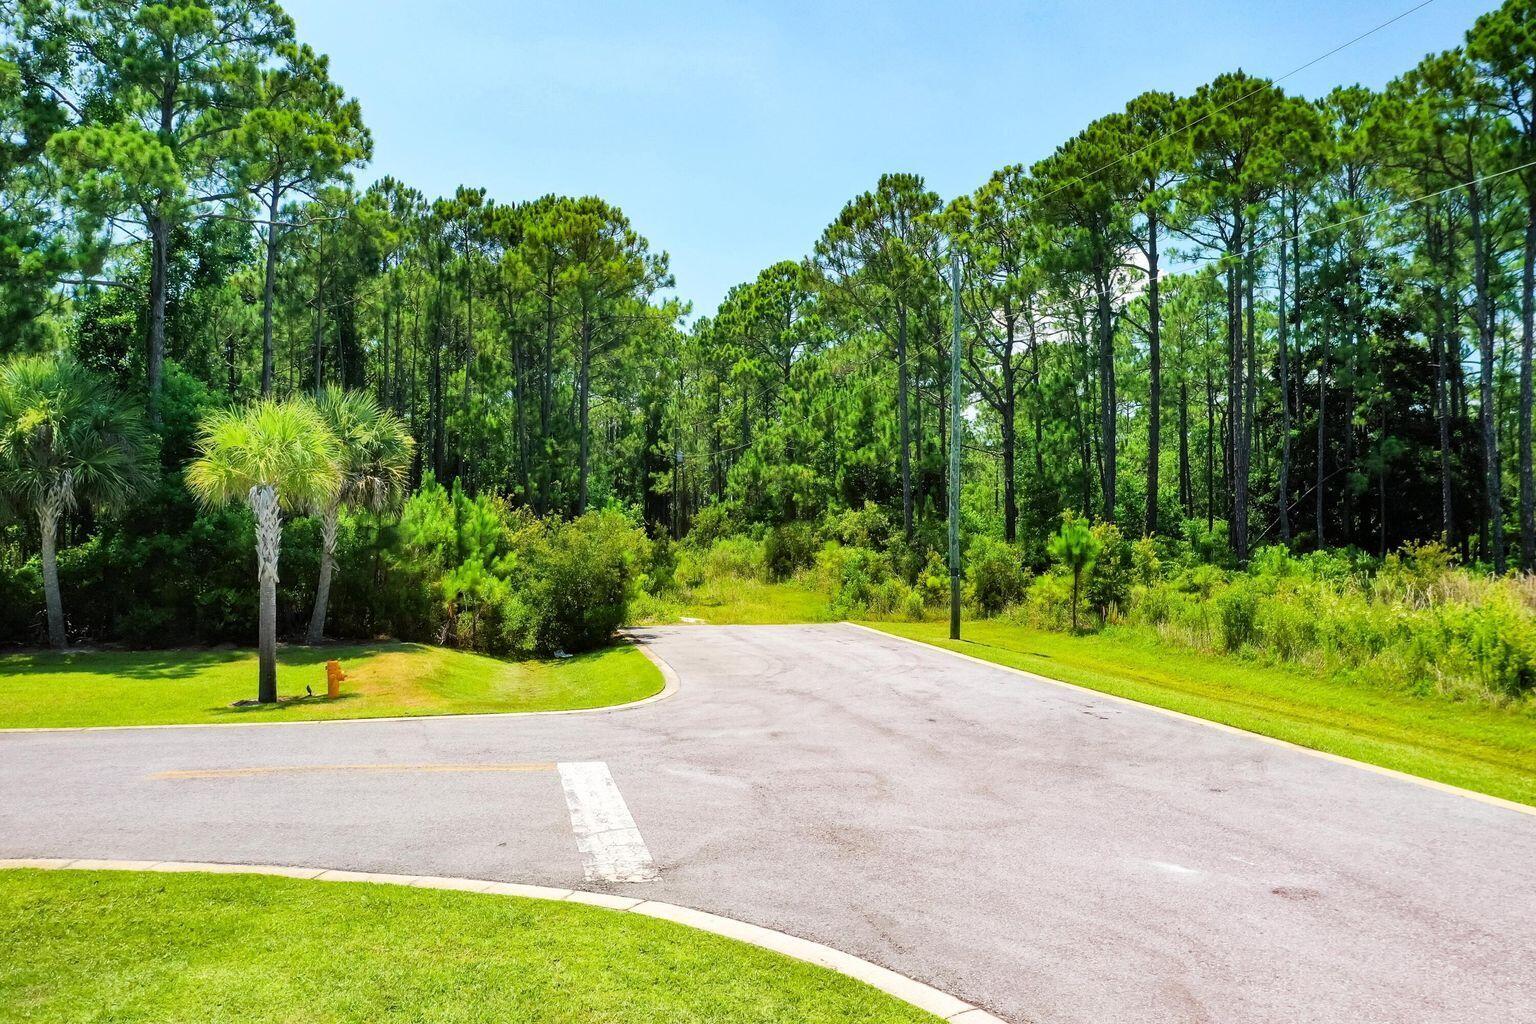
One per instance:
(305, 769)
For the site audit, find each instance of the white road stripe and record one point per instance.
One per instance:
(611, 847)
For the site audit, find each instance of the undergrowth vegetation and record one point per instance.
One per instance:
(475, 573)
(1414, 621)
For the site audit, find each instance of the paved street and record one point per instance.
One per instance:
(1045, 854)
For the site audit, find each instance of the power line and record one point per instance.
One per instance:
(1387, 208)
(1231, 103)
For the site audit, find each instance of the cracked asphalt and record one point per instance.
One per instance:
(1048, 855)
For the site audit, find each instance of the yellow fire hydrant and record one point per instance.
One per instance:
(333, 677)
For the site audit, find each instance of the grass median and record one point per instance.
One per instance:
(97, 688)
(136, 948)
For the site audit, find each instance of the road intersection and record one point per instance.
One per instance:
(1033, 849)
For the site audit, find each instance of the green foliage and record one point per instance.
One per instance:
(787, 549)
(1075, 548)
(713, 522)
(580, 578)
(995, 576)
(373, 447)
(286, 446)
(65, 435)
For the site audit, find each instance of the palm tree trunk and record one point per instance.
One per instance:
(329, 522)
(48, 512)
(269, 534)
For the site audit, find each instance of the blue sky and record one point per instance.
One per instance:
(732, 133)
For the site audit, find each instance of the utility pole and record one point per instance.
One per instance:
(954, 448)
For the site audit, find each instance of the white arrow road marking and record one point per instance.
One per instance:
(611, 847)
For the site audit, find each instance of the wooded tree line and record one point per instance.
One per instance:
(1238, 313)
(1288, 321)
(180, 202)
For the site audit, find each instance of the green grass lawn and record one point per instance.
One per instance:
(180, 686)
(742, 602)
(1487, 749)
(145, 948)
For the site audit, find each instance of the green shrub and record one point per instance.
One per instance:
(995, 576)
(865, 527)
(577, 581)
(21, 599)
(1048, 602)
(932, 583)
(787, 549)
(661, 567)
(741, 557)
(1107, 582)
(859, 581)
(714, 522)
(1237, 613)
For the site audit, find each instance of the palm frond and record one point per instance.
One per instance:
(63, 427)
(286, 445)
(375, 447)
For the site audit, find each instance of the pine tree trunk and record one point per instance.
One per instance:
(1250, 409)
(1236, 416)
(1493, 499)
(1109, 445)
(268, 293)
(1186, 484)
(1527, 344)
(329, 523)
(159, 284)
(905, 423)
(263, 501)
(584, 389)
(1009, 440)
(48, 512)
(1210, 450)
(1322, 440)
(1443, 417)
(317, 332)
(1155, 357)
(1284, 369)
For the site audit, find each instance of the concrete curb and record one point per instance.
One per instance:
(670, 686)
(1376, 769)
(898, 986)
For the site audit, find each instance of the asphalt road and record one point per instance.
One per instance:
(1045, 854)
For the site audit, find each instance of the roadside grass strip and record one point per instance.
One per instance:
(177, 943)
(1488, 754)
(109, 689)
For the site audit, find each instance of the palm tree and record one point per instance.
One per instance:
(274, 455)
(375, 460)
(65, 437)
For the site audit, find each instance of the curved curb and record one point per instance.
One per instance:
(1376, 769)
(898, 986)
(670, 686)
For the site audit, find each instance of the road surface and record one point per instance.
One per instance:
(1048, 855)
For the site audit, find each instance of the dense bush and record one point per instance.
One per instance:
(447, 568)
(787, 549)
(577, 579)
(995, 576)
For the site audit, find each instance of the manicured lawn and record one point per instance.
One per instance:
(1481, 748)
(179, 686)
(136, 948)
(744, 602)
